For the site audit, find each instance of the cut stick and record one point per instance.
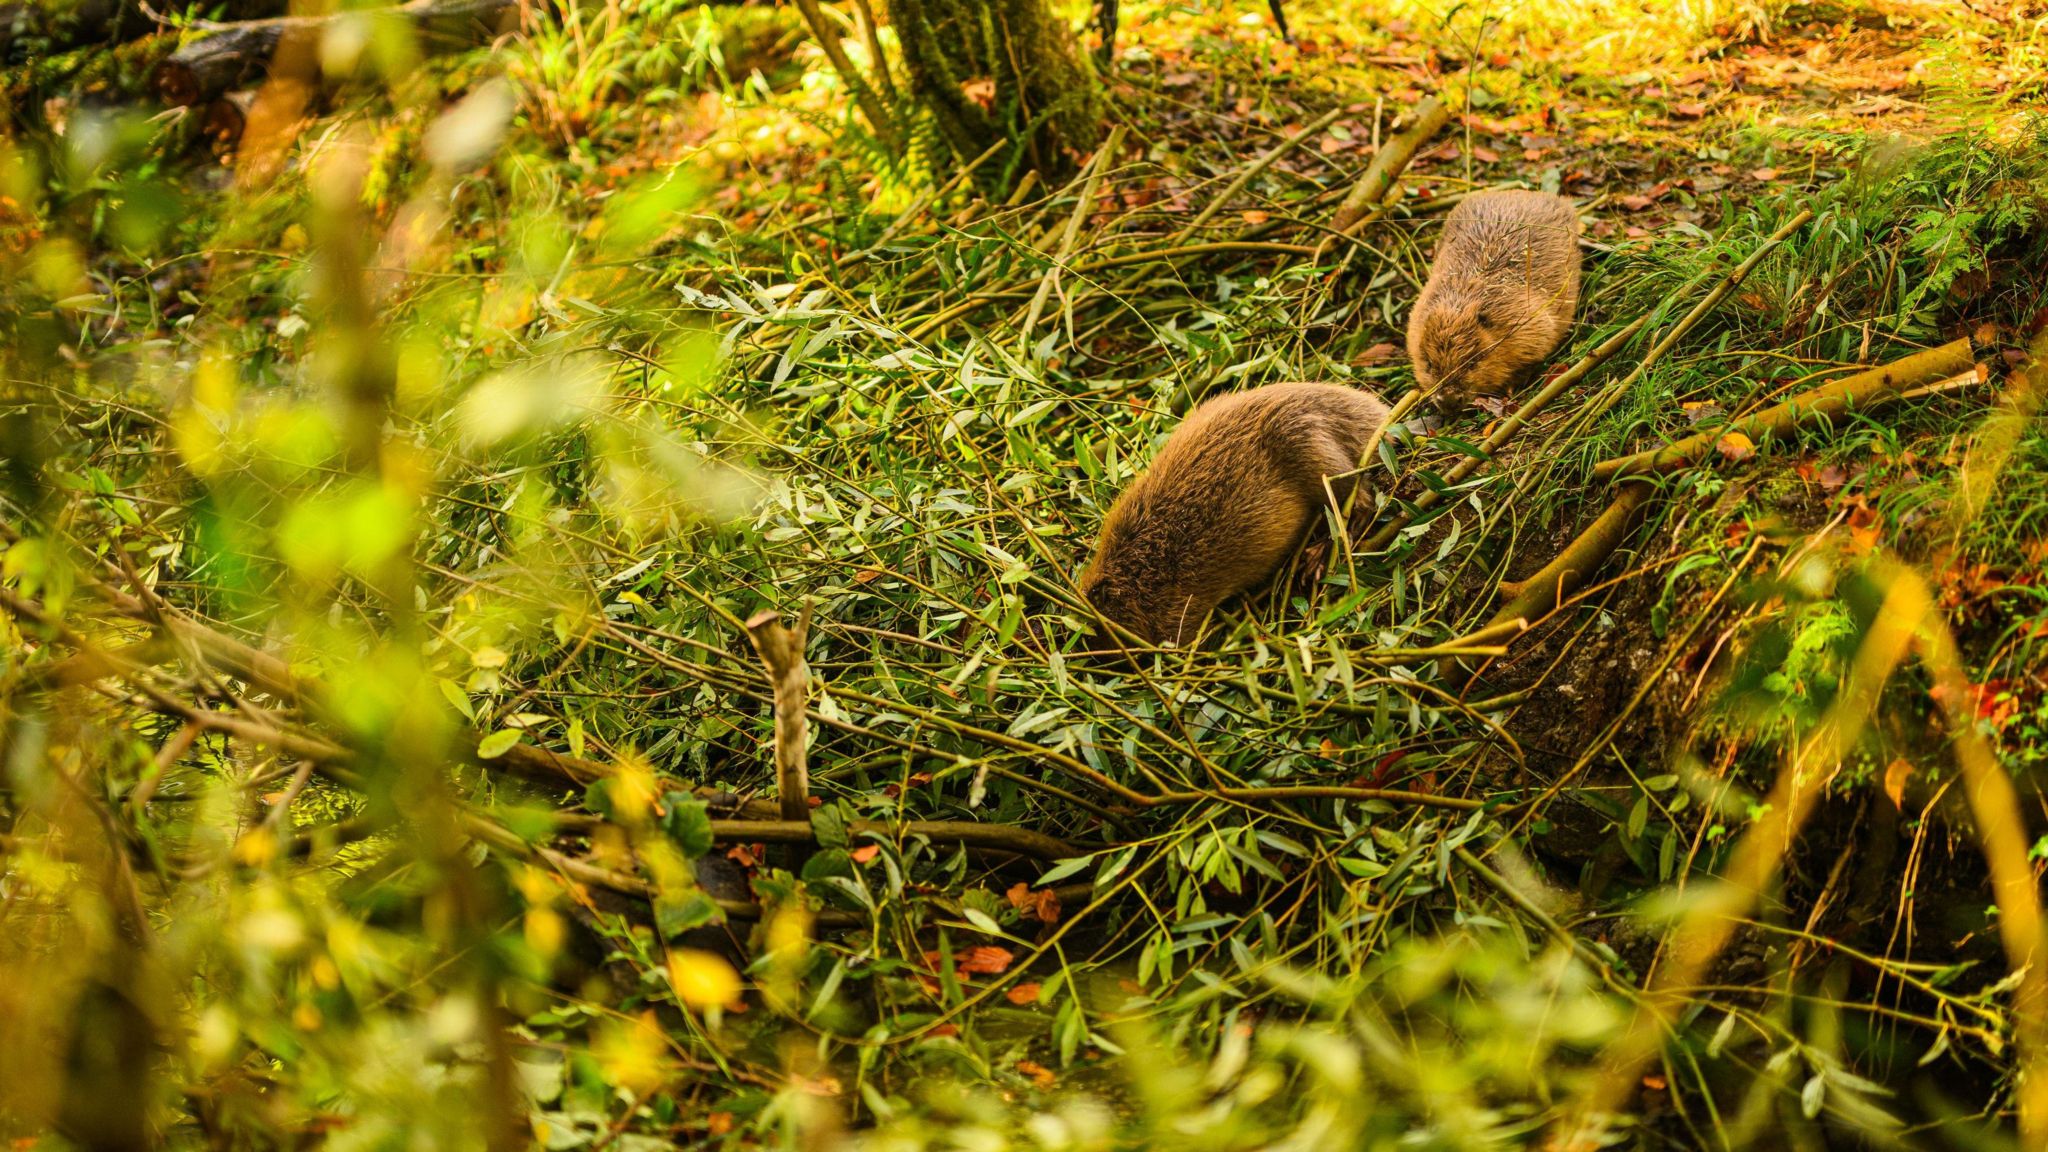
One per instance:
(1539, 595)
(1386, 167)
(1862, 391)
(782, 654)
(1388, 164)
(1509, 427)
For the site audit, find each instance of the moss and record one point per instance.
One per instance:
(991, 70)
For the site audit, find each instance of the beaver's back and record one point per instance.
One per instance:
(1225, 501)
(1501, 292)
(1515, 244)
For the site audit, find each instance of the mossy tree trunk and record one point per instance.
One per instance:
(994, 70)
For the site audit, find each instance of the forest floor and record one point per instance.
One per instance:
(1708, 856)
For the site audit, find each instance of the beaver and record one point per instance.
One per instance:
(1500, 295)
(1229, 496)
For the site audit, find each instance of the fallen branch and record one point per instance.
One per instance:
(1386, 167)
(1539, 595)
(239, 54)
(1864, 390)
(1002, 837)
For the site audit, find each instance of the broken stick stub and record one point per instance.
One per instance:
(782, 653)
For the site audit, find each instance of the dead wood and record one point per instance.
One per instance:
(239, 55)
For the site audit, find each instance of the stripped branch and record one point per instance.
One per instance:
(782, 654)
(1860, 392)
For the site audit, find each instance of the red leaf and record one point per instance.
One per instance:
(1763, 174)
(1690, 110)
(1021, 994)
(865, 853)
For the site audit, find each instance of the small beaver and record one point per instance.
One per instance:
(1231, 493)
(1500, 295)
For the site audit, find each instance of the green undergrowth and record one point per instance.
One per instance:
(650, 375)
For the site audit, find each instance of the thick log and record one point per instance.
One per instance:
(239, 55)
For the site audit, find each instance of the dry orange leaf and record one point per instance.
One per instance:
(865, 853)
(1023, 993)
(1257, 216)
(1039, 1073)
(982, 91)
(1736, 446)
(987, 959)
(1895, 776)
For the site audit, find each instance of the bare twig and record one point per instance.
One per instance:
(1251, 172)
(1002, 837)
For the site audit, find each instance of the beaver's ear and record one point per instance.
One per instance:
(1483, 318)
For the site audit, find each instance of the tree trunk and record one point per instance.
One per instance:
(994, 70)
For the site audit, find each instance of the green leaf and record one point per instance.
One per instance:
(460, 699)
(1064, 869)
(674, 915)
(828, 824)
(497, 743)
(1813, 1095)
(598, 799)
(827, 863)
(687, 822)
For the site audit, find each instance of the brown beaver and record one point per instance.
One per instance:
(1230, 495)
(1500, 295)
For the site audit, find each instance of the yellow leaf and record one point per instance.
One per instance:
(702, 979)
(256, 849)
(1736, 446)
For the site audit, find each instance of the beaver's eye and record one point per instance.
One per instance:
(1485, 319)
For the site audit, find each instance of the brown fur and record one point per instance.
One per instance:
(1500, 295)
(1230, 495)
